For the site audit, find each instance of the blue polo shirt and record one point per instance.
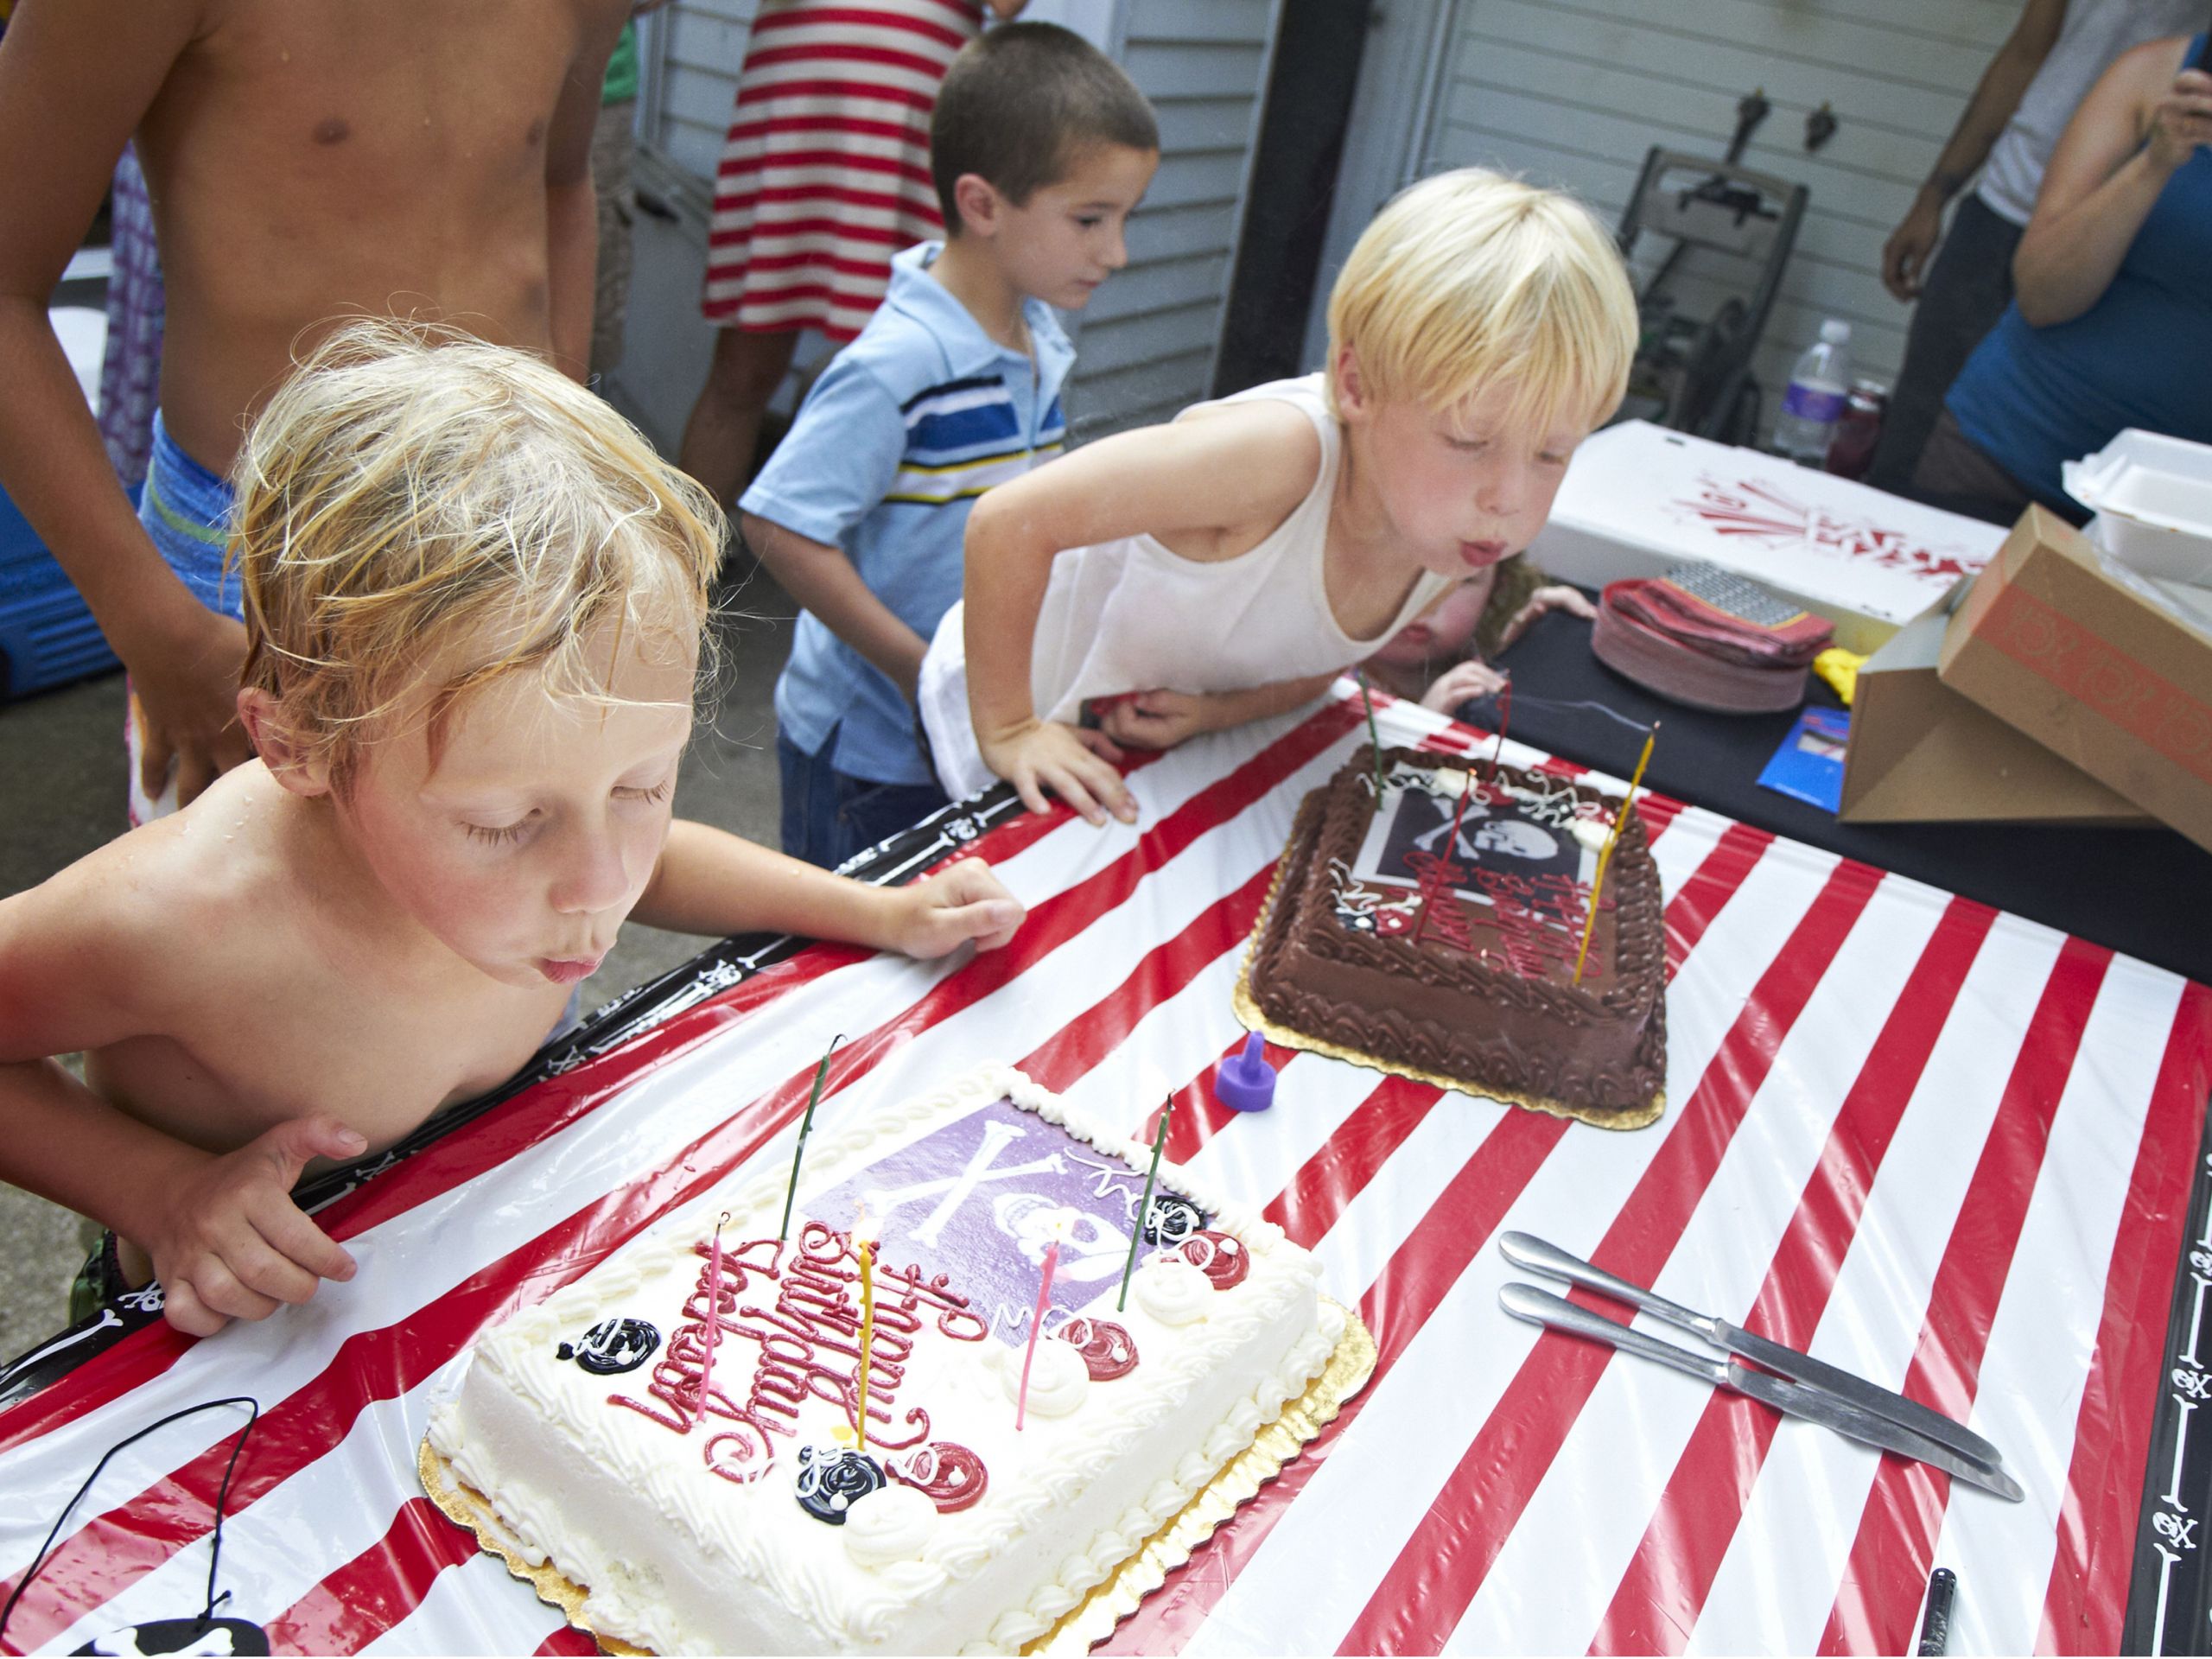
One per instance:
(915, 418)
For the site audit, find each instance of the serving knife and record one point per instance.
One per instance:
(1524, 1251)
(1814, 1404)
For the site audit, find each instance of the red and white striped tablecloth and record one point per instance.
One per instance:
(1944, 1147)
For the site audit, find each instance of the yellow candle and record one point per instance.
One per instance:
(1605, 857)
(867, 1323)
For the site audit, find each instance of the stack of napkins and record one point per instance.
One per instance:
(1705, 637)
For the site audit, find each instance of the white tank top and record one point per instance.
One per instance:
(2095, 32)
(1128, 615)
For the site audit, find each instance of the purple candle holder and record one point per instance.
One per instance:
(1245, 1081)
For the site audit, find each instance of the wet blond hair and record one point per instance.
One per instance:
(413, 501)
(1469, 280)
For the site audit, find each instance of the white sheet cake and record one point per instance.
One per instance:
(757, 1526)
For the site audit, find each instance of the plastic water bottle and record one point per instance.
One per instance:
(1818, 388)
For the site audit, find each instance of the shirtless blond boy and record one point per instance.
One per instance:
(475, 600)
(306, 163)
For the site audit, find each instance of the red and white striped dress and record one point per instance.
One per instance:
(825, 173)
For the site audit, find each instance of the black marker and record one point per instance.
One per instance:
(1935, 1624)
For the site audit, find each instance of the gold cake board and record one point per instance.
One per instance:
(1093, 1619)
(1247, 1010)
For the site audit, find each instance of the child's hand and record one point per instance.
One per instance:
(1156, 720)
(1075, 765)
(228, 1243)
(1558, 597)
(960, 902)
(1463, 683)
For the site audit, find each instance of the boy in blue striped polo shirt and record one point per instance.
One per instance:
(1041, 148)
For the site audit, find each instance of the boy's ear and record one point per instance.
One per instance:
(292, 763)
(979, 204)
(1351, 388)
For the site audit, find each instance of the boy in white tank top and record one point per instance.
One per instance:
(1225, 566)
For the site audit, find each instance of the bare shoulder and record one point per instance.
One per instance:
(1273, 441)
(80, 955)
(119, 943)
(1207, 486)
(1259, 460)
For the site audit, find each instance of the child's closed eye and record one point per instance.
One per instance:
(497, 835)
(658, 792)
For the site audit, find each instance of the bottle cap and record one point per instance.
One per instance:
(1835, 331)
(1245, 1081)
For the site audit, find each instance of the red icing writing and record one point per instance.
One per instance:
(1537, 918)
(804, 1342)
(1441, 915)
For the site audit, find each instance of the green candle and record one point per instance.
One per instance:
(1374, 737)
(805, 1124)
(1144, 1205)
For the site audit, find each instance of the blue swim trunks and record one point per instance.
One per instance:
(187, 510)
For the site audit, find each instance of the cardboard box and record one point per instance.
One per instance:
(1639, 499)
(2094, 663)
(1921, 753)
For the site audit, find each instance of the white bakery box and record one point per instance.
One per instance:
(1639, 499)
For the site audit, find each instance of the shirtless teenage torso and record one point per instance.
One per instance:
(310, 163)
(306, 163)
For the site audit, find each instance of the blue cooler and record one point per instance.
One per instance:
(47, 635)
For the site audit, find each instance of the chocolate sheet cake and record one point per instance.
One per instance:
(1452, 953)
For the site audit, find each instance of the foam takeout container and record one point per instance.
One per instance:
(2152, 496)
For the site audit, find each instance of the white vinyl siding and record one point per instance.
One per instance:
(1574, 94)
(1145, 344)
(697, 48)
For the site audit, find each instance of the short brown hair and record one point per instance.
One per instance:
(411, 497)
(1021, 104)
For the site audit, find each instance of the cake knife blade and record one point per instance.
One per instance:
(1524, 1251)
(1814, 1404)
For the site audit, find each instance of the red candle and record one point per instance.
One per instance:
(1505, 719)
(1450, 847)
(1036, 1329)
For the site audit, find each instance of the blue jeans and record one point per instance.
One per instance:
(828, 815)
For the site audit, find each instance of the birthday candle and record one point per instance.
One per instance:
(1450, 847)
(1605, 857)
(867, 1323)
(1036, 1329)
(714, 1314)
(1505, 719)
(1144, 1205)
(805, 1127)
(1374, 737)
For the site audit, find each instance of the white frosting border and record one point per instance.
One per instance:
(501, 1397)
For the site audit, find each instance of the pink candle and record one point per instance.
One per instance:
(714, 1313)
(1036, 1329)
